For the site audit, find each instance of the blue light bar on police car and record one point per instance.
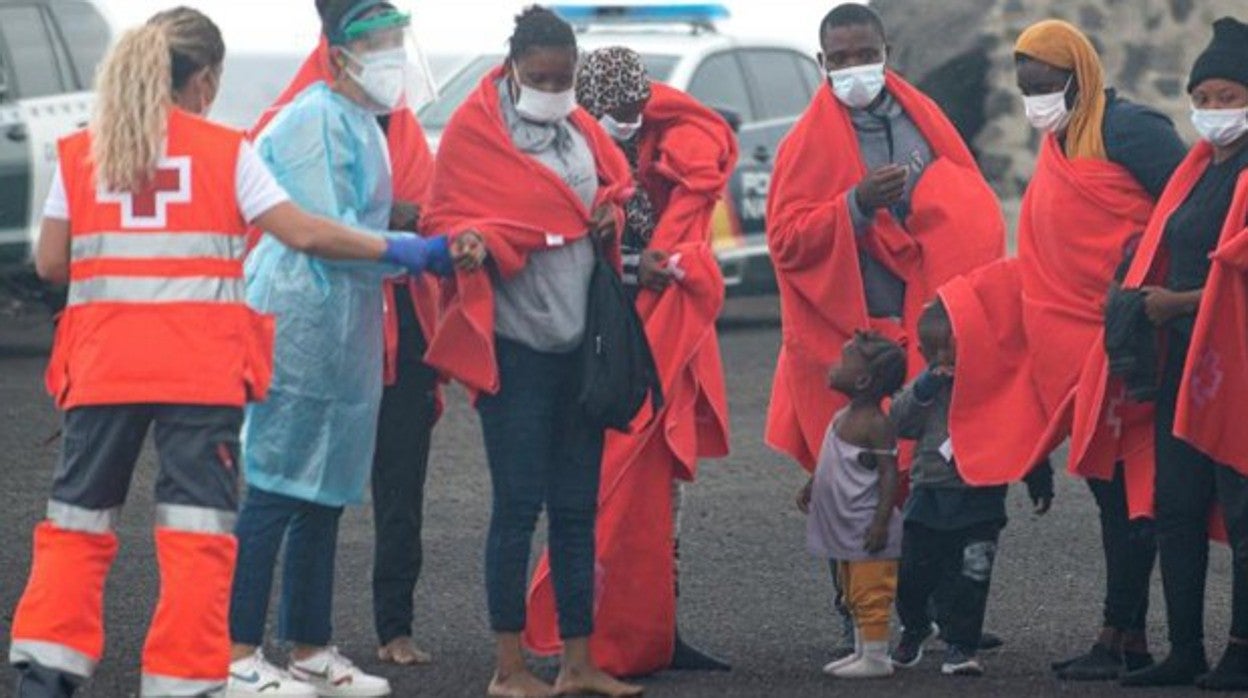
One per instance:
(699, 14)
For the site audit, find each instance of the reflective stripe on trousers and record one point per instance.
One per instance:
(69, 517)
(195, 519)
(52, 656)
(156, 686)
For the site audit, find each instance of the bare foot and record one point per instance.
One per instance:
(404, 652)
(521, 684)
(593, 682)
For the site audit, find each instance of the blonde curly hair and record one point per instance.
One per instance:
(135, 86)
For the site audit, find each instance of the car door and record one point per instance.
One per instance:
(14, 165)
(52, 49)
(720, 82)
(781, 82)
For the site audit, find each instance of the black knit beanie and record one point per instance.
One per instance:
(1226, 57)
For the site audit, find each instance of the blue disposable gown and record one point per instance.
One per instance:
(313, 439)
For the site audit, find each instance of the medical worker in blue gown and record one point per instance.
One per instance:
(307, 450)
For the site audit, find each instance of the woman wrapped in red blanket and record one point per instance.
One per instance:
(1025, 326)
(682, 155)
(544, 184)
(1191, 271)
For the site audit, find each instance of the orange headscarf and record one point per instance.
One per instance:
(1061, 45)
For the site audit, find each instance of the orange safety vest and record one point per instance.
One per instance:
(156, 309)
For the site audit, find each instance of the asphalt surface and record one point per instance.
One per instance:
(751, 594)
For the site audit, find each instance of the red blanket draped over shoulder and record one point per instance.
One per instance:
(1214, 392)
(483, 182)
(687, 154)
(411, 165)
(1024, 326)
(955, 226)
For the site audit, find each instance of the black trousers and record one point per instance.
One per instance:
(954, 566)
(1188, 483)
(1130, 551)
(400, 464)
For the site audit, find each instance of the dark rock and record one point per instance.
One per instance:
(1091, 19)
(1180, 9)
(1133, 67)
(1170, 87)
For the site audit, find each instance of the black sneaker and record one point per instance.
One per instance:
(1134, 661)
(990, 641)
(909, 651)
(688, 658)
(1179, 669)
(1231, 673)
(1099, 664)
(959, 662)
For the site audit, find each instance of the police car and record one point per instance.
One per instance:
(762, 87)
(49, 50)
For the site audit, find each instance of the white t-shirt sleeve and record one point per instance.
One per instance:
(255, 188)
(57, 203)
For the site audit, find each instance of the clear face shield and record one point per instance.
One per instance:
(386, 61)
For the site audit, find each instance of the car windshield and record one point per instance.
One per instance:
(453, 92)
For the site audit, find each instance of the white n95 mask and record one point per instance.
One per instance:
(858, 87)
(544, 107)
(1220, 127)
(1048, 112)
(382, 76)
(618, 131)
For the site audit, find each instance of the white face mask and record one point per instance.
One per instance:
(618, 131)
(858, 87)
(543, 107)
(1220, 127)
(1048, 112)
(382, 76)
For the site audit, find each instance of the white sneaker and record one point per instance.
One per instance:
(831, 667)
(256, 676)
(334, 676)
(873, 664)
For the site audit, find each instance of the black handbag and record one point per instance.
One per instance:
(617, 367)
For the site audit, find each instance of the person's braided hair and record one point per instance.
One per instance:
(538, 27)
(886, 364)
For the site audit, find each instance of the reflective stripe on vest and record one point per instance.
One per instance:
(52, 656)
(156, 685)
(149, 289)
(68, 517)
(195, 519)
(158, 246)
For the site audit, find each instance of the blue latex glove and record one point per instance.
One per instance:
(418, 254)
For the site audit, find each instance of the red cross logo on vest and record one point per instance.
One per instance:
(149, 207)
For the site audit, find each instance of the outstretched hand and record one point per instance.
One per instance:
(468, 251)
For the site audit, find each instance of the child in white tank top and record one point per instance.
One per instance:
(851, 499)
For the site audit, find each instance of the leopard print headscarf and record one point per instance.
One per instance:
(607, 79)
(611, 77)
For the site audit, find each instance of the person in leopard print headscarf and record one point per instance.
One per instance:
(682, 154)
(613, 86)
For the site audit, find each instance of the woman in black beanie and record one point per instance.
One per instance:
(1204, 207)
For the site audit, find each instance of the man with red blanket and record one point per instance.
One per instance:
(1026, 326)
(410, 403)
(682, 154)
(875, 202)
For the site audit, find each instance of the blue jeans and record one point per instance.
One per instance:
(542, 452)
(311, 534)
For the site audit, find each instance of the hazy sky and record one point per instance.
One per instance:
(446, 26)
